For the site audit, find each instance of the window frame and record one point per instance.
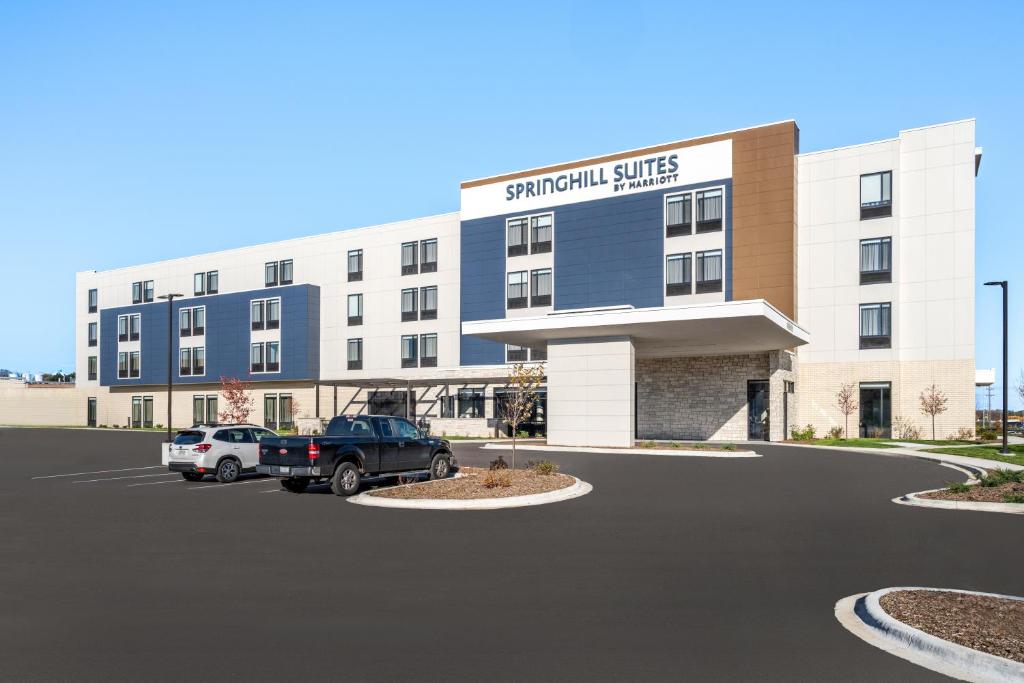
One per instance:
(122, 365)
(92, 300)
(354, 363)
(541, 300)
(881, 208)
(523, 247)
(275, 347)
(702, 286)
(471, 403)
(272, 323)
(92, 365)
(518, 302)
(713, 224)
(148, 291)
(509, 358)
(185, 361)
(875, 341)
(685, 287)
(199, 284)
(212, 282)
(425, 265)
(137, 357)
(268, 267)
(354, 275)
(137, 292)
(413, 296)
(286, 271)
(428, 313)
(679, 229)
(425, 360)
(541, 246)
(412, 268)
(255, 367)
(354, 319)
(134, 333)
(868, 277)
(260, 323)
(413, 360)
(122, 322)
(93, 334)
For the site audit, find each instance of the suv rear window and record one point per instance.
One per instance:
(188, 438)
(345, 425)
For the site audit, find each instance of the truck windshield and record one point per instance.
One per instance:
(188, 438)
(346, 425)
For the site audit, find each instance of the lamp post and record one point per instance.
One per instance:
(169, 298)
(1006, 361)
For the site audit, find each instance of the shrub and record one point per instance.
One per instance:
(835, 433)
(1013, 497)
(102, 426)
(905, 430)
(805, 434)
(957, 487)
(675, 444)
(158, 426)
(964, 434)
(498, 464)
(1001, 476)
(497, 479)
(522, 434)
(544, 467)
(728, 447)
(700, 445)
(987, 435)
(116, 427)
(647, 444)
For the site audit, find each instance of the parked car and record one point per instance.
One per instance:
(354, 447)
(223, 450)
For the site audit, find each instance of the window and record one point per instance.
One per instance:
(136, 418)
(199, 320)
(199, 284)
(185, 322)
(212, 285)
(122, 328)
(709, 210)
(709, 271)
(122, 364)
(355, 354)
(136, 292)
(273, 314)
(516, 354)
(93, 300)
(90, 411)
(540, 234)
(92, 367)
(517, 240)
(876, 409)
(678, 215)
(257, 315)
(876, 195)
(355, 309)
(539, 354)
(409, 263)
(428, 350)
(199, 360)
(284, 417)
(876, 260)
(428, 256)
(270, 411)
(192, 321)
(471, 402)
(355, 265)
(428, 303)
(678, 274)
(93, 334)
(875, 326)
(286, 272)
(134, 363)
(277, 273)
(518, 290)
(256, 358)
(410, 356)
(185, 362)
(204, 410)
(147, 291)
(273, 356)
(134, 326)
(409, 311)
(540, 287)
(270, 274)
(147, 412)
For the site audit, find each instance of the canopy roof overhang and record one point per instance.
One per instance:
(718, 328)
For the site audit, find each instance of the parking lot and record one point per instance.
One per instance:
(673, 568)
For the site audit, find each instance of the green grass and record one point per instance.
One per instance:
(850, 443)
(988, 452)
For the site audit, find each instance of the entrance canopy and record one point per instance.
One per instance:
(730, 327)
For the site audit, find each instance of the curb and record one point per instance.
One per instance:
(862, 615)
(914, 499)
(577, 489)
(628, 451)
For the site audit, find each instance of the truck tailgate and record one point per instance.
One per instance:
(285, 451)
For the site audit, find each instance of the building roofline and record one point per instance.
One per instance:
(894, 139)
(346, 231)
(612, 156)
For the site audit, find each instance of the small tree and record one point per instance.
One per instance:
(1020, 386)
(933, 402)
(524, 380)
(846, 399)
(238, 403)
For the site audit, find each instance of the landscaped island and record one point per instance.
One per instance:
(477, 483)
(986, 623)
(998, 486)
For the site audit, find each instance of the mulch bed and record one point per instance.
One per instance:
(979, 494)
(986, 624)
(470, 487)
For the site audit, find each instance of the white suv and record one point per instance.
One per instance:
(223, 450)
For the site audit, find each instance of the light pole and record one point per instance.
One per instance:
(169, 298)
(1006, 360)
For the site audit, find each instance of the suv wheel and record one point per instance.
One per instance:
(295, 484)
(192, 476)
(345, 481)
(440, 466)
(228, 470)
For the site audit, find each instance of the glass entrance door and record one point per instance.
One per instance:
(757, 410)
(876, 410)
(90, 413)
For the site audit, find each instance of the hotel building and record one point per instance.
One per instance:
(723, 287)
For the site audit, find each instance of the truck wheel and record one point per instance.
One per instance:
(440, 466)
(295, 484)
(345, 481)
(192, 476)
(228, 470)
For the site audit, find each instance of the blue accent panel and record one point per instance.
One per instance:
(227, 338)
(607, 252)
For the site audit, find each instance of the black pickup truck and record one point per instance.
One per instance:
(353, 447)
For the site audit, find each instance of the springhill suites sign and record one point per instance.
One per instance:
(626, 175)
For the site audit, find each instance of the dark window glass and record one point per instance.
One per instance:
(199, 320)
(471, 402)
(122, 364)
(876, 260)
(212, 282)
(185, 362)
(516, 354)
(188, 438)
(679, 215)
(286, 272)
(270, 411)
(540, 233)
(428, 256)
(199, 360)
(185, 322)
(93, 300)
(256, 315)
(147, 291)
(273, 314)
(355, 265)
(199, 411)
(273, 356)
(709, 271)
(876, 195)
(428, 350)
(93, 334)
(678, 274)
(136, 292)
(409, 311)
(134, 327)
(428, 303)
(410, 354)
(540, 287)
(355, 354)
(122, 328)
(92, 367)
(256, 358)
(270, 274)
(517, 240)
(355, 309)
(410, 266)
(875, 326)
(134, 364)
(199, 284)
(709, 210)
(518, 290)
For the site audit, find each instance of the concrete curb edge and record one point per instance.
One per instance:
(577, 489)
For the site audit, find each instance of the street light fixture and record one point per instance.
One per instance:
(1006, 364)
(169, 298)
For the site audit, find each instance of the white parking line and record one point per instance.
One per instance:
(136, 476)
(274, 491)
(154, 483)
(236, 483)
(78, 474)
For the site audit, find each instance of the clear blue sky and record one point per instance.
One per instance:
(132, 132)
